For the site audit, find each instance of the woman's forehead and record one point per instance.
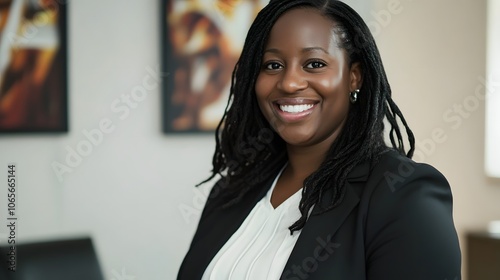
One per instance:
(305, 27)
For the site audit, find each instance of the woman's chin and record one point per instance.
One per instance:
(296, 138)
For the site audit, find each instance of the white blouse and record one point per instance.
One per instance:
(261, 246)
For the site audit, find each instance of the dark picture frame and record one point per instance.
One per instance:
(201, 42)
(34, 74)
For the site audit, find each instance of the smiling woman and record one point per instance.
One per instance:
(303, 91)
(326, 198)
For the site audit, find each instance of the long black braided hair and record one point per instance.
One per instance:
(248, 152)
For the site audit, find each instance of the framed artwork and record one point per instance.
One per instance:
(33, 66)
(201, 42)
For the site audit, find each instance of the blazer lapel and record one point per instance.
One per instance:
(216, 229)
(320, 229)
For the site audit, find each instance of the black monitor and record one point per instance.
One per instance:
(73, 259)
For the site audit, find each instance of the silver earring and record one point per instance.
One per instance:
(353, 96)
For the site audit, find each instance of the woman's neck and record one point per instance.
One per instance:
(303, 161)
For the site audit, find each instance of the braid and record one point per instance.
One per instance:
(396, 112)
(361, 139)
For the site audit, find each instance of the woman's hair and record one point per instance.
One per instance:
(249, 153)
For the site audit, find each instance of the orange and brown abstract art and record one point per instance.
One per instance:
(32, 66)
(202, 42)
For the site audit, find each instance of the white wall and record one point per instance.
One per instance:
(127, 192)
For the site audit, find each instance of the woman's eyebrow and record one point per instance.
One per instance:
(304, 50)
(312, 49)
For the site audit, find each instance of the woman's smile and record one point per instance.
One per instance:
(294, 109)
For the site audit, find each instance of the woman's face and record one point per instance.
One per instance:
(304, 84)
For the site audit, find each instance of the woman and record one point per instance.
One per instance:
(308, 188)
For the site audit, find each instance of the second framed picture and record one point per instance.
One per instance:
(202, 40)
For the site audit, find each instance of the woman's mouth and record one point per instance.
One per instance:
(294, 110)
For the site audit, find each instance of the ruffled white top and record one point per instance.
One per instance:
(261, 246)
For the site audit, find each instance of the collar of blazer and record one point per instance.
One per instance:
(316, 239)
(218, 225)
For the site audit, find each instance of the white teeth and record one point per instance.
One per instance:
(295, 108)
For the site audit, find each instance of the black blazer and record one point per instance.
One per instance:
(395, 223)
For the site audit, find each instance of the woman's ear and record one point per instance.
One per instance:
(356, 75)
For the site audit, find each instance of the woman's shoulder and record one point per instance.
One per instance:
(396, 171)
(399, 187)
(407, 207)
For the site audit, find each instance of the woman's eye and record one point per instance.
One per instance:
(273, 66)
(315, 64)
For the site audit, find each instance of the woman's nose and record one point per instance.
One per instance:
(292, 80)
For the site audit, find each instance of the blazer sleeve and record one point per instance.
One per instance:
(210, 205)
(410, 232)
